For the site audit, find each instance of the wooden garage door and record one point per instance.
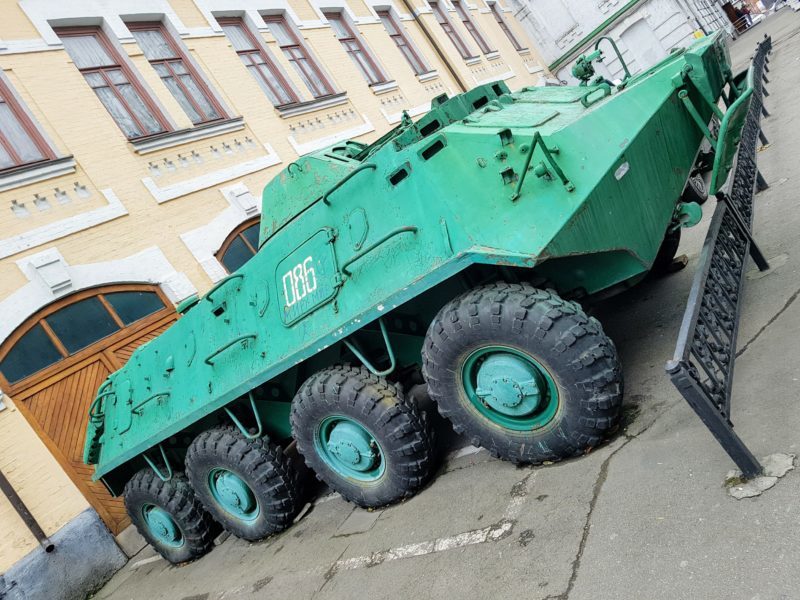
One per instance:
(54, 363)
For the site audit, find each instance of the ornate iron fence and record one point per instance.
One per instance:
(702, 367)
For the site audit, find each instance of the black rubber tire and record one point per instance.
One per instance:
(581, 359)
(395, 422)
(666, 252)
(695, 190)
(261, 464)
(177, 498)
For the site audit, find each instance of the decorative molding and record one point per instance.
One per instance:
(26, 46)
(38, 172)
(253, 9)
(183, 136)
(46, 14)
(147, 266)
(500, 77)
(302, 108)
(205, 241)
(59, 229)
(412, 112)
(212, 178)
(382, 88)
(430, 75)
(320, 143)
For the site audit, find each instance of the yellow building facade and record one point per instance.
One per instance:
(135, 139)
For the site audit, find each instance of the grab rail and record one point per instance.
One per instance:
(346, 178)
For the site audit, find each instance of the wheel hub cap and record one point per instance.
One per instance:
(234, 492)
(352, 445)
(510, 385)
(162, 525)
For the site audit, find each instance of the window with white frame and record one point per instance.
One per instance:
(355, 47)
(469, 24)
(399, 36)
(167, 56)
(299, 55)
(440, 12)
(112, 80)
(258, 62)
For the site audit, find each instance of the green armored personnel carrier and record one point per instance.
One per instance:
(447, 255)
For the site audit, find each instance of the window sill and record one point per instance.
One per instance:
(302, 108)
(429, 76)
(472, 60)
(383, 87)
(493, 55)
(524, 51)
(27, 174)
(162, 141)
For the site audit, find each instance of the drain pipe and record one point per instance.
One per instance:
(436, 47)
(25, 514)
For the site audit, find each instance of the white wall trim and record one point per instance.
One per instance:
(148, 266)
(500, 77)
(43, 12)
(64, 227)
(253, 8)
(46, 170)
(203, 242)
(320, 143)
(188, 186)
(183, 136)
(393, 118)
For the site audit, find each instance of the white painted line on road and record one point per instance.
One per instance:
(146, 561)
(468, 538)
(519, 494)
(465, 451)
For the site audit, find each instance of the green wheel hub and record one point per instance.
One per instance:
(349, 449)
(510, 388)
(162, 526)
(232, 493)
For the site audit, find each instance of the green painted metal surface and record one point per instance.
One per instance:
(162, 526)
(580, 183)
(510, 388)
(233, 495)
(349, 449)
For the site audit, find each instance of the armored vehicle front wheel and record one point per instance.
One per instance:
(362, 436)
(248, 486)
(169, 516)
(523, 373)
(695, 190)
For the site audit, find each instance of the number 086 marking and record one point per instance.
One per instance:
(299, 282)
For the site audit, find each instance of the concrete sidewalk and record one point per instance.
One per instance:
(644, 517)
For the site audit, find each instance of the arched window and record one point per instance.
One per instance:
(240, 246)
(70, 326)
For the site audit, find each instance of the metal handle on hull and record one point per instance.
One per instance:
(346, 178)
(370, 248)
(222, 349)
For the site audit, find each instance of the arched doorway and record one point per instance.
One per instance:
(53, 364)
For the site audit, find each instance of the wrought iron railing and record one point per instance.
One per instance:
(702, 367)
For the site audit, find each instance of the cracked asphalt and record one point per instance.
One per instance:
(644, 516)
